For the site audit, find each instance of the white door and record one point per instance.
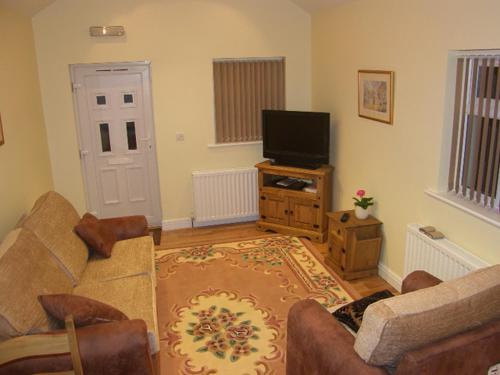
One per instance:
(116, 134)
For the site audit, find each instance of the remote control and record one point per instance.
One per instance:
(344, 217)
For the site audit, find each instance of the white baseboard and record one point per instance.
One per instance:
(390, 276)
(173, 224)
(231, 220)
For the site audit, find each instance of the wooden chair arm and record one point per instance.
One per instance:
(73, 345)
(33, 346)
(45, 345)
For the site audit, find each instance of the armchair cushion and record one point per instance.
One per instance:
(394, 326)
(96, 234)
(85, 311)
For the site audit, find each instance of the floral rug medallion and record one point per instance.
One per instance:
(222, 308)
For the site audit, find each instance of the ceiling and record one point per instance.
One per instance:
(32, 7)
(314, 5)
(28, 7)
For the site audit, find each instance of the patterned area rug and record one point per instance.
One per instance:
(222, 308)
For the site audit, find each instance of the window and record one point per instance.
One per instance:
(105, 140)
(242, 89)
(101, 99)
(475, 154)
(131, 137)
(128, 98)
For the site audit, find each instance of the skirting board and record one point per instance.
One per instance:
(173, 224)
(231, 220)
(388, 275)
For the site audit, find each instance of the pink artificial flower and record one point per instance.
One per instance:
(360, 193)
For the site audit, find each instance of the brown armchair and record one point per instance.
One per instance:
(318, 345)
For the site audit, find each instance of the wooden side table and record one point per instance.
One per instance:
(353, 246)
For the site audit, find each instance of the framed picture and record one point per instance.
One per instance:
(2, 140)
(376, 95)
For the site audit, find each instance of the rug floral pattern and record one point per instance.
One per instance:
(222, 308)
(224, 332)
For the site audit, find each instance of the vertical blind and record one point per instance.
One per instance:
(243, 88)
(475, 153)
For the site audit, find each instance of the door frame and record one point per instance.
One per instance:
(88, 164)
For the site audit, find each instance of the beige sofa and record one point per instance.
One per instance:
(43, 255)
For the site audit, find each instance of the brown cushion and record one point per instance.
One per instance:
(352, 314)
(85, 311)
(96, 234)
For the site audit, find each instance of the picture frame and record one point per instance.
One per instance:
(376, 95)
(2, 139)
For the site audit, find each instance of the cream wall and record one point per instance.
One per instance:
(397, 163)
(24, 158)
(180, 38)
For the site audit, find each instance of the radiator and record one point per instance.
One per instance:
(442, 258)
(225, 196)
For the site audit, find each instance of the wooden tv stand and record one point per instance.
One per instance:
(294, 212)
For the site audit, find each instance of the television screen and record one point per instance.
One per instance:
(296, 138)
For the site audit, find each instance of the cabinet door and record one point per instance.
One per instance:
(364, 248)
(304, 213)
(274, 208)
(334, 251)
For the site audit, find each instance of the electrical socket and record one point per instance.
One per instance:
(179, 137)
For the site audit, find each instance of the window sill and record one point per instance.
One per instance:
(219, 145)
(489, 215)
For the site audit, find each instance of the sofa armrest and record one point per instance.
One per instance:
(471, 352)
(317, 344)
(117, 348)
(419, 280)
(127, 226)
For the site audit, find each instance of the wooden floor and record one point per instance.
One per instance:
(241, 232)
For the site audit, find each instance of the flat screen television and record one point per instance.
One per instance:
(296, 138)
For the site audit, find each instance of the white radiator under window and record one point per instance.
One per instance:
(441, 258)
(225, 196)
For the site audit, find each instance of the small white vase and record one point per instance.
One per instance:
(360, 212)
